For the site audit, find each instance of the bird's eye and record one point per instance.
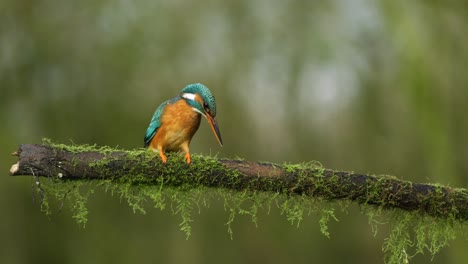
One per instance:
(205, 105)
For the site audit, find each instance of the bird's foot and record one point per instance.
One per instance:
(163, 157)
(187, 158)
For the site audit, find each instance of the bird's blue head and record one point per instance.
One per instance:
(204, 102)
(199, 97)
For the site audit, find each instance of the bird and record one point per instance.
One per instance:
(176, 120)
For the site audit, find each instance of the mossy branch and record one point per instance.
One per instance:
(141, 167)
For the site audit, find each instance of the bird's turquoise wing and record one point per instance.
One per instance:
(155, 123)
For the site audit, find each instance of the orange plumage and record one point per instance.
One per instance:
(178, 125)
(176, 120)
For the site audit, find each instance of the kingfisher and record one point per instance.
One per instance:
(176, 120)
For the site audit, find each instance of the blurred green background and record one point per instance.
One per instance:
(370, 86)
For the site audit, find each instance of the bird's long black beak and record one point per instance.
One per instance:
(214, 127)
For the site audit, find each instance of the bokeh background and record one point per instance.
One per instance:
(370, 86)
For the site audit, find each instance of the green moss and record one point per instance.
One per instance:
(413, 233)
(373, 214)
(74, 148)
(410, 232)
(73, 193)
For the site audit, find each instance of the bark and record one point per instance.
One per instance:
(309, 180)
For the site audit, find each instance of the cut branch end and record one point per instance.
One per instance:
(14, 168)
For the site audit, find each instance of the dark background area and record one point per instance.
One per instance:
(369, 86)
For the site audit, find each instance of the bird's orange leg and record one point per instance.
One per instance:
(187, 153)
(187, 157)
(161, 154)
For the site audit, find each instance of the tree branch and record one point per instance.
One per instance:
(144, 167)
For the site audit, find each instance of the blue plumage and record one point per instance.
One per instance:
(207, 97)
(156, 120)
(176, 120)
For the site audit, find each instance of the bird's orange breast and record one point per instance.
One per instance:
(178, 125)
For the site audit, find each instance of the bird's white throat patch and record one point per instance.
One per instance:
(198, 111)
(189, 96)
